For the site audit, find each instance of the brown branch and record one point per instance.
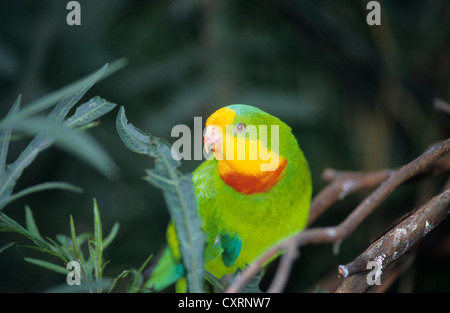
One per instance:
(395, 243)
(403, 236)
(343, 183)
(393, 272)
(332, 234)
(400, 238)
(357, 283)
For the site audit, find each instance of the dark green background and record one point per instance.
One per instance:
(358, 97)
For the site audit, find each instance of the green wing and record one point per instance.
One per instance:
(166, 272)
(205, 180)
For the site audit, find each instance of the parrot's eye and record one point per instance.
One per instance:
(240, 127)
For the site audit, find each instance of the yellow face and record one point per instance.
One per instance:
(215, 128)
(244, 154)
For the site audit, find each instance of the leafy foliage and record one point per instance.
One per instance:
(54, 129)
(67, 248)
(68, 134)
(178, 193)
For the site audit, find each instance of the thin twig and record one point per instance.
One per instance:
(285, 268)
(342, 183)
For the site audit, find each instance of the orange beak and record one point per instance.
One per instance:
(212, 139)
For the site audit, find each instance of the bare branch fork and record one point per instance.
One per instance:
(342, 184)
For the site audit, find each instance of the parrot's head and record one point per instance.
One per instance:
(249, 145)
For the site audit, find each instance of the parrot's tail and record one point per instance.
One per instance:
(166, 272)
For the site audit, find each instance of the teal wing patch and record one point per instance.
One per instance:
(231, 248)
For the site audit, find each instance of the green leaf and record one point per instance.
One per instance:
(63, 240)
(8, 245)
(66, 248)
(97, 252)
(48, 265)
(41, 187)
(66, 255)
(112, 234)
(4, 140)
(7, 224)
(30, 223)
(136, 140)
(89, 111)
(178, 193)
(63, 107)
(53, 252)
(52, 129)
(98, 238)
(82, 145)
(70, 91)
(124, 274)
(134, 285)
(75, 246)
(76, 243)
(91, 264)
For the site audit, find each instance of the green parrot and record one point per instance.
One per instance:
(252, 192)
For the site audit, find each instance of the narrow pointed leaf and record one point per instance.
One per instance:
(112, 234)
(5, 137)
(124, 274)
(178, 193)
(76, 248)
(6, 246)
(7, 224)
(48, 132)
(89, 111)
(52, 98)
(41, 187)
(137, 275)
(63, 107)
(83, 145)
(30, 223)
(98, 236)
(61, 250)
(51, 252)
(97, 251)
(48, 265)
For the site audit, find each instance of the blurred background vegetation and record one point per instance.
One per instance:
(358, 97)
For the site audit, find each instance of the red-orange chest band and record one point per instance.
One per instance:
(251, 184)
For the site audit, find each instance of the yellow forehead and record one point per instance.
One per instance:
(222, 118)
